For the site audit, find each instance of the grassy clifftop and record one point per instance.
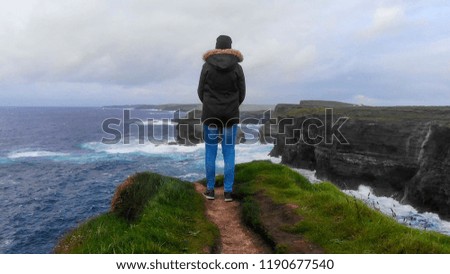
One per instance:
(324, 215)
(156, 214)
(150, 213)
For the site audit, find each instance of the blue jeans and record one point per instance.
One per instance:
(227, 137)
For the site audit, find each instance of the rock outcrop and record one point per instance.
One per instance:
(189, 127)
(399, 151)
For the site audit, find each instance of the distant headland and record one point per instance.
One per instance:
(188, 107)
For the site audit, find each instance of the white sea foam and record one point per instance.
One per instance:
(191, 176)
(8, 182)
(244, 152)
(136, 148)
(309, 174)
(35, 154)
(167, 122)
(247, 153)
(405, 214)
(275, 160)
(250, 152)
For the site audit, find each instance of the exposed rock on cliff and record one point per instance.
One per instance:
(189, 128)
(430, 187)
(399, 151)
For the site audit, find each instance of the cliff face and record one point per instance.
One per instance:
(430, 186)
(398, 152)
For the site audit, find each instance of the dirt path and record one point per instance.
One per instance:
(235, 237)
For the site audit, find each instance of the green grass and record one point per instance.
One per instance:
(153, 214)
(333, 220)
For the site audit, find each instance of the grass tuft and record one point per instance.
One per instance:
(131, 196)
(150, 213)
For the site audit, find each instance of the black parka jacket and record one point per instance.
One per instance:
(222, 87)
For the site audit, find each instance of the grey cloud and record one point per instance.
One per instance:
(129, 50)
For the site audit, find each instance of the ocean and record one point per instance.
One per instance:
(55, 171)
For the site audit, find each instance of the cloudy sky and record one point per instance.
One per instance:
(102, 52)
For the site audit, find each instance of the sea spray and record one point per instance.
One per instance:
(403, 213)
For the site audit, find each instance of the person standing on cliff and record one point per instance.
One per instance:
(221, 90)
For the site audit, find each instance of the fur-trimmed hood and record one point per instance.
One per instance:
(234, 52)
(223, 59)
